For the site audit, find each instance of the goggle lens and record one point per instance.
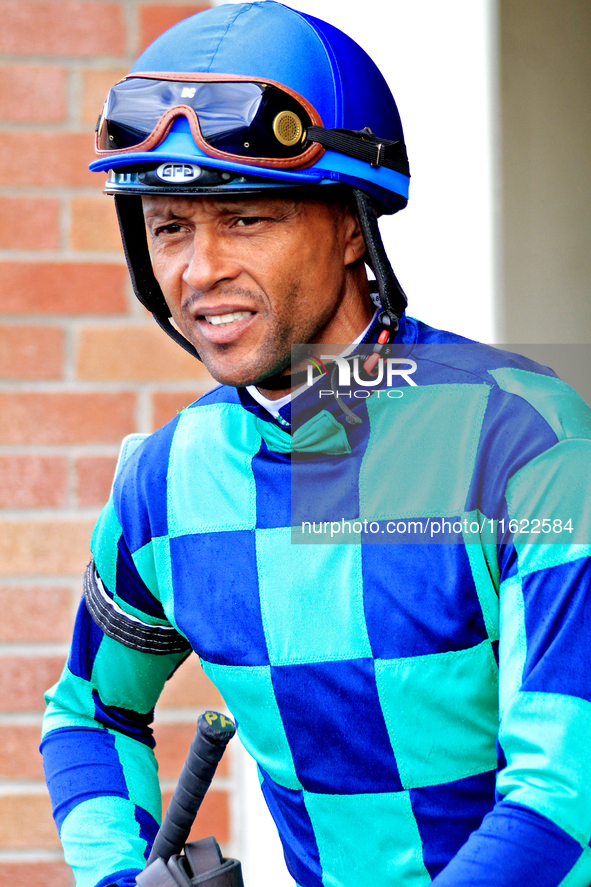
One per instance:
(242, 118)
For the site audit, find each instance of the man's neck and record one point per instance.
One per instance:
(281, 397)
(349, 325)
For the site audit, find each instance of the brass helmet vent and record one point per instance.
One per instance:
(288, 128)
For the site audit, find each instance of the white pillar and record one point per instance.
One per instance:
(440, 60)
(257, 842)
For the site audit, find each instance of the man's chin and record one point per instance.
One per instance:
(240, 377)
(241, 365)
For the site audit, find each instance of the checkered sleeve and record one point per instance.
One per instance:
(540, 828)
(97, 743)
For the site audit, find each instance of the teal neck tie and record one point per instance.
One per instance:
(320, 434)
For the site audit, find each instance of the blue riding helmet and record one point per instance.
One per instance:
(267, 40)
(246, 98)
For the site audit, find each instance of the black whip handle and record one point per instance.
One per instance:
(214, 731)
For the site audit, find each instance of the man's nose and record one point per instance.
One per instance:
(210, 262)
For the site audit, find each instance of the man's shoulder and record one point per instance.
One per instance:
(518, 386)
(146, 456)
(451, 350)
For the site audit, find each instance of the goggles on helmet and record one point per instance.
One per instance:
(231, 117)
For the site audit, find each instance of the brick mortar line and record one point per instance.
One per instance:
(34, 649)
(31, 855)
(115, 322)
(40, 515)
(66, 320)
(139, 3)
(40, 712)
(47, 513)
(37, 579)
(156, 387)
(79, 322)
(74, 321)
(79, 386)
(53, 191)
(76, 450)
(50, 127)
(91, 62)
(132, 3)
(74, 257)
(103, 2)
(20, 788)
(69, 583)
(55, 61)
(99, 386)
(18, 719)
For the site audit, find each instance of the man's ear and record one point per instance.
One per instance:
(354, 242)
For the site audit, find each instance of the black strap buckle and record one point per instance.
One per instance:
(363, 145)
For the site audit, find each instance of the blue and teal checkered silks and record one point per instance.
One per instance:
(418, 712)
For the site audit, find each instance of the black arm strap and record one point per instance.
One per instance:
(363, 145)
(128, 630)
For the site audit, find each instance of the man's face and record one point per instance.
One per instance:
(246, 278)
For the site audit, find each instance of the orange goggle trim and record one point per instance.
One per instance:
(247, 115)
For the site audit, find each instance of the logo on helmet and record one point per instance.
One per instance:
(178, 172)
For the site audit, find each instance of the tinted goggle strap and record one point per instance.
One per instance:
(363, 145)
(145, 286)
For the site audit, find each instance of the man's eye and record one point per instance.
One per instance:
(246, 221)
(171, 228)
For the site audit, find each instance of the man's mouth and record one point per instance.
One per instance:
(217, 319)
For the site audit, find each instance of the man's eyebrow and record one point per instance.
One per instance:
(250, 208)
(162, 215)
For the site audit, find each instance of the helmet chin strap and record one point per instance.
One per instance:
(145, 286)
(147, 289)
(392, 296)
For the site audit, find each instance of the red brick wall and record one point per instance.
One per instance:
(81, 365)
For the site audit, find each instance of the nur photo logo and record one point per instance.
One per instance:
(386, 372)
